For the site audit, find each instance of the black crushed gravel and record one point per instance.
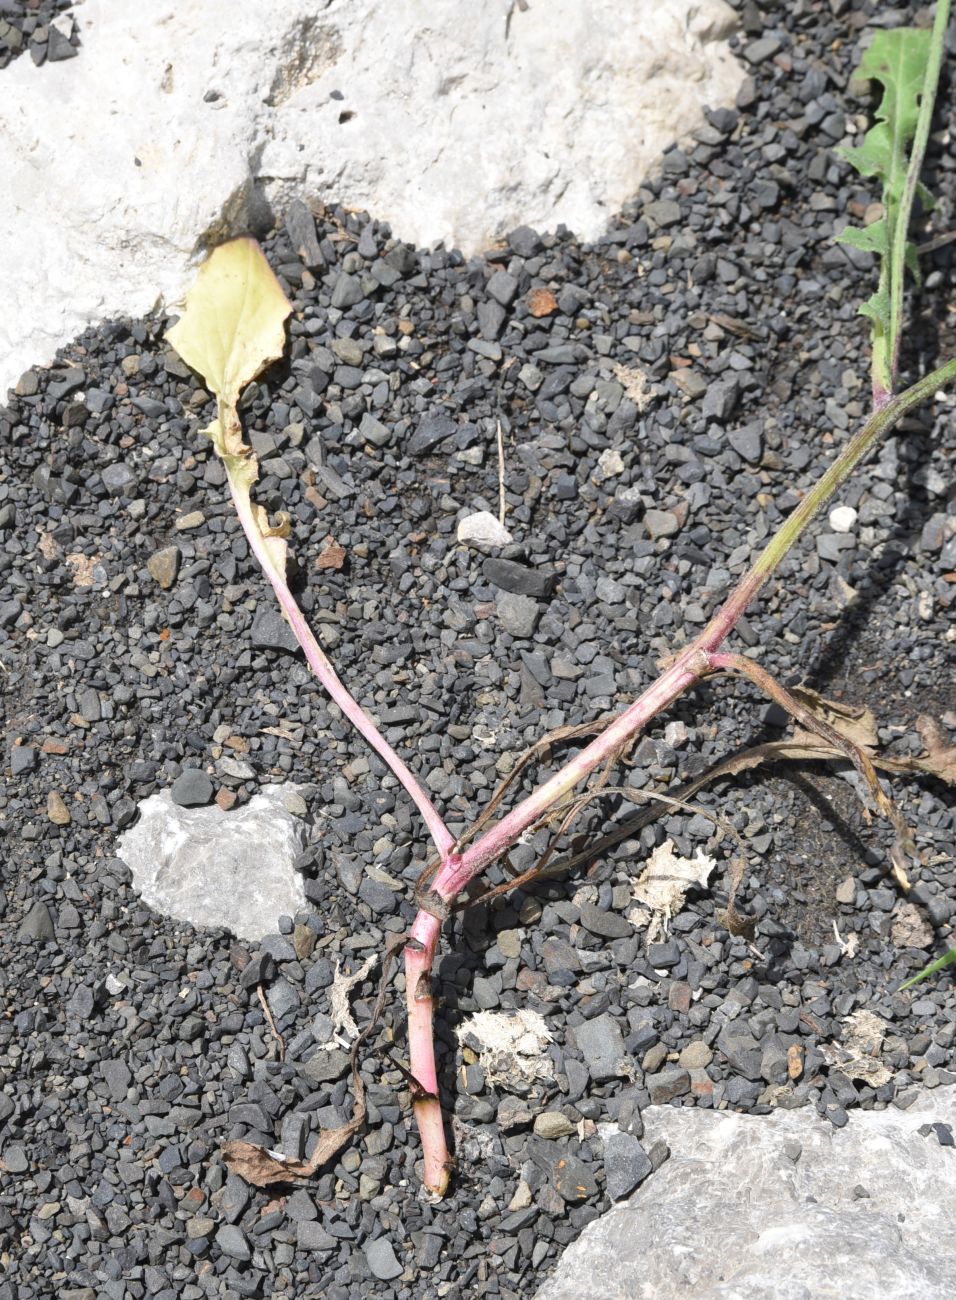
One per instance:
(39, 28)
(137, 637)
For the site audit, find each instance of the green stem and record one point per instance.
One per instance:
(897, 260)
(879, 423)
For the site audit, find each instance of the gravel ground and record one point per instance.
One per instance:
(665, 395)
(39, 27)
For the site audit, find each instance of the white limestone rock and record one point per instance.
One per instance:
(232, 870)
(779, 1207)
(179, 124)
(483, 530)
(467, 120)
(116, 165)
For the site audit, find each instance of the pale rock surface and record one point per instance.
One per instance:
(181, 122)
(232, 870)
(779, 1207)
(482, 530)
(471, 119)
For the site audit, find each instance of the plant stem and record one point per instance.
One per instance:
(684, 671)
(879, 423)
(320, 665)
(419, 957)
(897, 260)
(881, 372)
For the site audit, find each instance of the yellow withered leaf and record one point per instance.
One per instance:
(233, 324)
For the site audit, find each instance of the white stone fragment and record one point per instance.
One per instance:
(610, 464)
(483, 529)
(779, 1207)
(675, 734)
(842, 519)
(179, 124)
(233, 870)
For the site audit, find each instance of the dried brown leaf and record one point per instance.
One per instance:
(735, 921)
(263, 1168)
(939, 758)
(854, 721)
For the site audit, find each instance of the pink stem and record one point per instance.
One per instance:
(453, 876)
(419, 956)
(320, 665)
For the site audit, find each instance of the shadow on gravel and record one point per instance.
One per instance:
(927, 341)
(877, 579)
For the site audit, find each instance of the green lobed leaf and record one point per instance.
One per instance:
(898, 60)
(870, 238)
(876, 306)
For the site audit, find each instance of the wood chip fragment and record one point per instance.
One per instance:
(794, 1061)
(332, 556)
(57, 810)
(542, 302)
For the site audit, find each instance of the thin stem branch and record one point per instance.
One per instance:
(879, 423)
(940, 241)
(320, 665)
(501, 475)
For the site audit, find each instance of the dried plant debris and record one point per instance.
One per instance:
(938, 758)
(857, 1055)
(854, 721)
(342, 986)
(263, 1168)
(664, 883)
(910, 928)
(512, 1047)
